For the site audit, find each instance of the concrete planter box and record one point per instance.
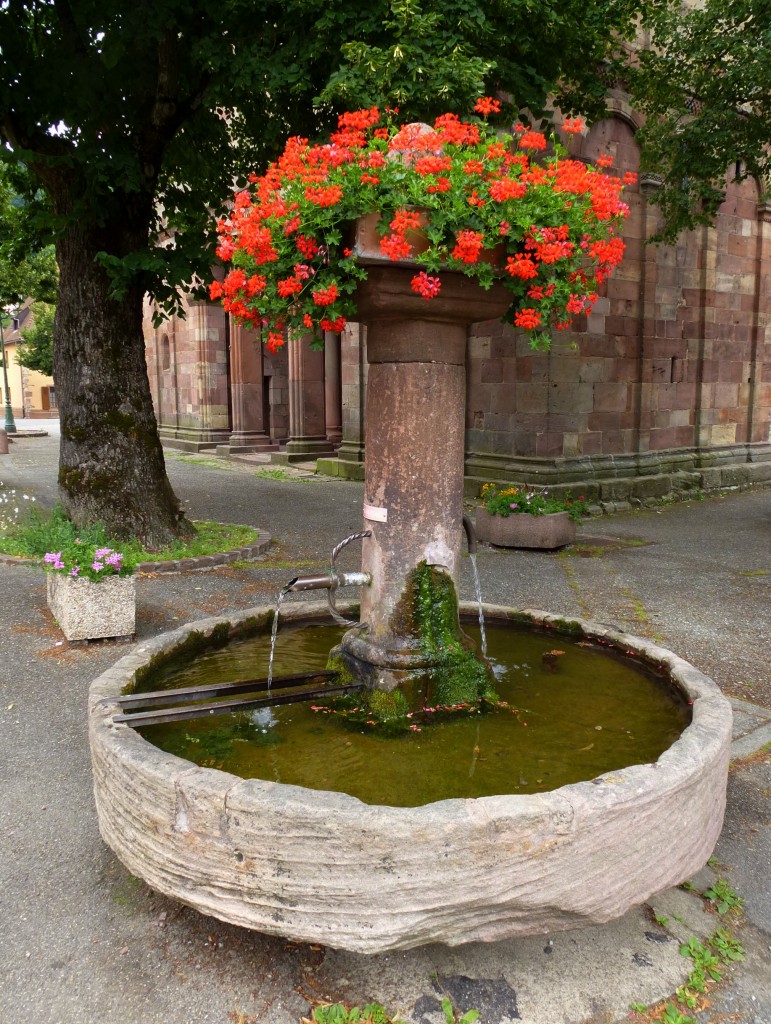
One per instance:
(91, 611)
(524, 531)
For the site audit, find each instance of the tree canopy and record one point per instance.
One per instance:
(36, 350)
(704, 81)
(176, 100)
(137, 118)
(27, 264)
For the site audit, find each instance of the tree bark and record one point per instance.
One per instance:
(111, 464)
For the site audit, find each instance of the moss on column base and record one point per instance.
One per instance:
(428, 661)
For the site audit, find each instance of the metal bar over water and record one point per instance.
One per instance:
(224, 707)
(186, 694)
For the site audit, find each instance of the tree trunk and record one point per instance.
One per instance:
(111, 465)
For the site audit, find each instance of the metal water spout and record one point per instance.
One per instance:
(333, 579)
(329, 580)
(471, 535)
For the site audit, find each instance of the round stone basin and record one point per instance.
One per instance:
(321, 866)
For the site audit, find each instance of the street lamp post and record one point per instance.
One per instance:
(10, 425)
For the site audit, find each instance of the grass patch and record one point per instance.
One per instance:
(41, 531)
(207, 461)
(274, 474)
(210, 539)
(597, 547)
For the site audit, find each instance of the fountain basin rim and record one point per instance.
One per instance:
(710, 707)
(322, 866)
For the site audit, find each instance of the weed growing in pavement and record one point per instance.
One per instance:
(723, 897)
(710, 958)
(449, 1014)
(338, 1013)
(273, 474)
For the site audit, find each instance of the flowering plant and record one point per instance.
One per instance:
(466, 188)
(512, 500)
(86, 561)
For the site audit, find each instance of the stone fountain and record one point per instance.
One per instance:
(322, 866)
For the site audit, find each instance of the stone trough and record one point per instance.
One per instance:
(324, 867)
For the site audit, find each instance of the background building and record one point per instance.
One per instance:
(33, 394)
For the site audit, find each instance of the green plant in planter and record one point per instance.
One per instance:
(523, 500)
(80, 552)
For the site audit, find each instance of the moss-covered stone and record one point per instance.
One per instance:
(336, 663)
(387, 705)
(428, 611)
(567, 626)
(196, 642)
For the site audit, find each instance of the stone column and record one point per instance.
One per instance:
(307, 417)
(757, 416)
(333, 388)
(646, 318)
(415, 417)
(348, 461)
(246, 395)
(193, 380)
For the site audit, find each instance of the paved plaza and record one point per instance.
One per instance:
(85, 942)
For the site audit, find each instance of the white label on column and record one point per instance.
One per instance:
(375, 514)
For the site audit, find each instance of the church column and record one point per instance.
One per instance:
(757, 417)
(332, 388)
(246, 395)
(349, 459)
(307, 415)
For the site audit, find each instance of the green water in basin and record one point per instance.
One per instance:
(565, 719)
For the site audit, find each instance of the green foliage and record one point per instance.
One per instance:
(386, 705)
(39, 531)
(337, 1013)
(274, 474)
(27, 265)
(78, 550)
(709, 961)
(450, 1018)
(727, 947)
(723, 897)
(510, 501)
(37, 349)
(706, 964)
(459, 676)
(429, 56)
(704, 83)
(672, 1015)
(14, 509)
